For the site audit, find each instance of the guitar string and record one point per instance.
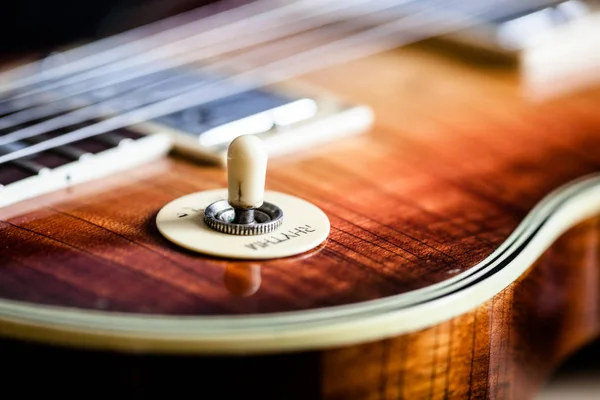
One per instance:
(25, 116)
(164, 52)
(224, 34)
(115, 51)
(126, 43)
(136, 98)
(52, 108)
(248, 17)
(185, 57)
(374, 40)
(13, 119)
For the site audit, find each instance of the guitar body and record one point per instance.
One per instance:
(462, 262)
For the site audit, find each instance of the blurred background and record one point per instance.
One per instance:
(27, 25)
(578, 378)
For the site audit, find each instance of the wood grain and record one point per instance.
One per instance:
(503, 349)
(455, 161)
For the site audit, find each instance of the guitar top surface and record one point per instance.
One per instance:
(455, 161)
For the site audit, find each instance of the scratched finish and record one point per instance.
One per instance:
(455, 161)
(503, 349)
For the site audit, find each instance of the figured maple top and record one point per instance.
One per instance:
(455, 161)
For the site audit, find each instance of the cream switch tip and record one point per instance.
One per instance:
(246, 171)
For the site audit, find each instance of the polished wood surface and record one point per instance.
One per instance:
(456, 159)
(503, 349)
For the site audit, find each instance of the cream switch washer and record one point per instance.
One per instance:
(304, 227)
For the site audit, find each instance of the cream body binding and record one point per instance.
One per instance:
(315, 329)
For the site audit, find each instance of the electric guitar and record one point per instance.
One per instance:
(461, 256)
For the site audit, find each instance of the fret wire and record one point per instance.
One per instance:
(189, 55)
(380, 38)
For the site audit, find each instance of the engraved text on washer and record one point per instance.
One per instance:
(280, 237)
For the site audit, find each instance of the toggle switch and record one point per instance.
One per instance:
(245, 212)
(244, 221)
